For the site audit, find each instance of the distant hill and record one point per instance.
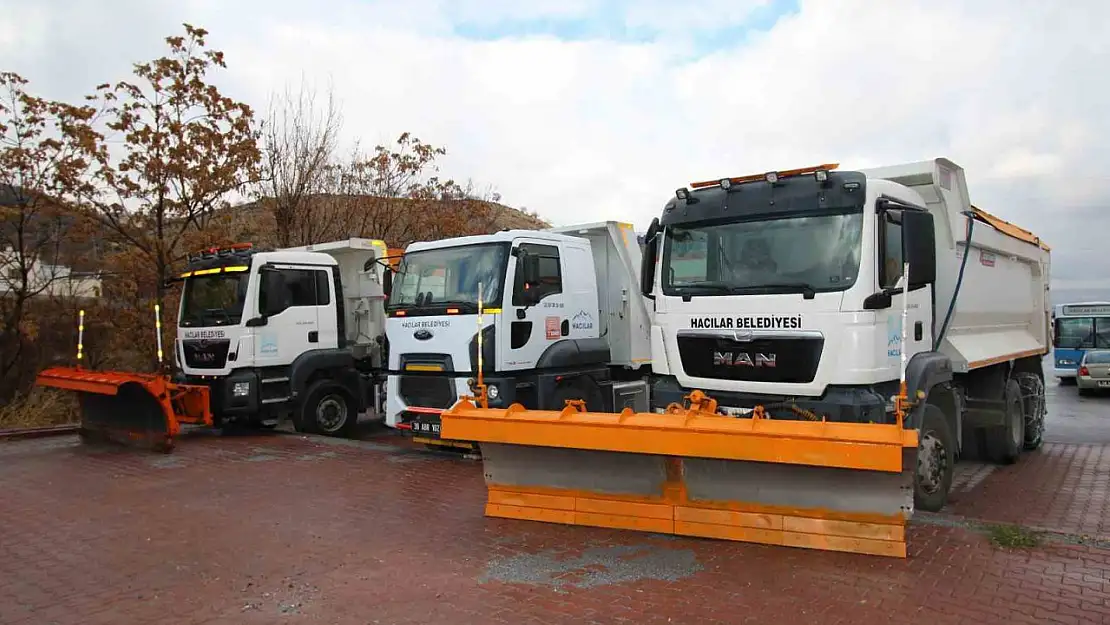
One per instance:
(391, 219)
(398, 221)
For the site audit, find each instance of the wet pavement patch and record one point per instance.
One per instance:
(596, 566)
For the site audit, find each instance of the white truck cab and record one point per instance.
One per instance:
(555, 306)
(293, 332)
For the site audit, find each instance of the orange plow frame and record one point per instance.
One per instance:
(703, 454)
(176, 403)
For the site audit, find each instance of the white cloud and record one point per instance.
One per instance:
(585, 130)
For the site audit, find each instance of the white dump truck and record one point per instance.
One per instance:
(785, 290)
(293, 332)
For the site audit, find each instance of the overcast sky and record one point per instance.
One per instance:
(585, 110)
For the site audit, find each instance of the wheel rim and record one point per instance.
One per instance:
(931, 460)
(331, 413)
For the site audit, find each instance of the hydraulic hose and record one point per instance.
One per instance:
(959, 280)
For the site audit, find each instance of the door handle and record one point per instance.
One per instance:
(314, 336)
(918, 330)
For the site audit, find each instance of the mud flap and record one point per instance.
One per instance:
(833, 486)
(131, 408)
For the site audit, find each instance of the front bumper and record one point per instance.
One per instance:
(845, 404)
(233, 396)
(404, 414)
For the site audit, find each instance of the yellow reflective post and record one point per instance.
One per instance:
(80, 335)
(158, 330)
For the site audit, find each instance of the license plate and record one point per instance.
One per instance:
(426, 425)
(1104, 383)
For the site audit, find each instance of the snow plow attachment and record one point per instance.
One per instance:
(132, 408)
(693, 472)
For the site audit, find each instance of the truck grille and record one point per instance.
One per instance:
(427, 392)
(434, 388)
(205, 353)
(785, 360)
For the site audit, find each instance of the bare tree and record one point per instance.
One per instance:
(299, 140)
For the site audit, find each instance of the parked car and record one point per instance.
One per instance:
(1094, 371)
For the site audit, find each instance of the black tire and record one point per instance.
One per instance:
(1032, 389)
(576, 389)
(328, 408)
(936, 461)
(1004, 444)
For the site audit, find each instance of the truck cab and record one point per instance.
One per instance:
(545, 330)
(789, 288)
(285, 333)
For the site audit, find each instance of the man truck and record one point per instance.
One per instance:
(295, 332)
(780, 294)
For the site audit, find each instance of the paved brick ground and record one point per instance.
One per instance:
(1062, 487)
(280, 528)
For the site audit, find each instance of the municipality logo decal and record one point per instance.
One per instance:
(582, 320)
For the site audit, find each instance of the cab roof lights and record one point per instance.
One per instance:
(214, 251)
(820, 172)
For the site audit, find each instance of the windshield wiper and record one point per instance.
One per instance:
(806, 289)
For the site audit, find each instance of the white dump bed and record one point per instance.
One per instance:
(625, 320)
(1002, 309)
(362, 280)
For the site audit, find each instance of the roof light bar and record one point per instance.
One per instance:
(772, 176)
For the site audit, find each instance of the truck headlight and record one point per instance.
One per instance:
(241, 389)
(492, 392)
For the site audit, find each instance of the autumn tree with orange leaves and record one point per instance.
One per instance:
(176, 151)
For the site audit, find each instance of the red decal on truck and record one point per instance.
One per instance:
(552, 324)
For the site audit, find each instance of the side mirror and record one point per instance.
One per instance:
(387, 281)
(919, 245)
(647, 261)
(877, 301)
(1056, 333)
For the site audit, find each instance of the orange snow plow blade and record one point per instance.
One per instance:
(131, 407)
(692, 472)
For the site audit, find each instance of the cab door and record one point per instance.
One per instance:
(289, 301)
(536, 313)
(918, 332)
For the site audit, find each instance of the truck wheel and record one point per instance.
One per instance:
(1032, 389)
(328, 408)
(1004, 444)
(936, 458)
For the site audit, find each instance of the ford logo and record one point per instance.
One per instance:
(422, 335)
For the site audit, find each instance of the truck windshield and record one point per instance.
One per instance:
(450, 276)
(770, 255)
(215, 300)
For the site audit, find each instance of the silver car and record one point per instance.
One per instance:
(1094, 371)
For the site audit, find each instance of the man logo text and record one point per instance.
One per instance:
(743, 359)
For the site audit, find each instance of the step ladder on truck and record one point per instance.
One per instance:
(261, 335)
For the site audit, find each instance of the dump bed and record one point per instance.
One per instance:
(361, 277)
(1002, 309)
(624, 316)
